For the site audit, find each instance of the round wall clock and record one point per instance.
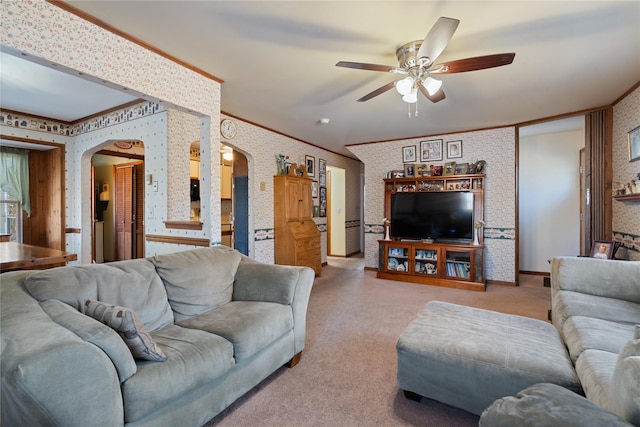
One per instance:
(228, 128)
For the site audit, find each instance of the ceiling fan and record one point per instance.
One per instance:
(417, 62)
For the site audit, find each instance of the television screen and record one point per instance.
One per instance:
(446, 216)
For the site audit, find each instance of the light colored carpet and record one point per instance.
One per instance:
(347, 375)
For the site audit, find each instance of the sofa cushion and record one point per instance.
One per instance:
(567, 304)
(253, 276)
(549, 405)
(595, 370)
(249, 325)
(581, 333)
(194, 358)
(198, 280)
(132, 283)
(624, 392)
(126, 323)
(94, 332)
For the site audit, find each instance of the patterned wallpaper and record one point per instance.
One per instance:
(48, 34)
(260, 146)
(497, 148)
(626, 215)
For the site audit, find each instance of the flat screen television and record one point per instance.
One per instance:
(444, 217)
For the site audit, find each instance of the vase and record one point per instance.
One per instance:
(475, 237)
(386, 233)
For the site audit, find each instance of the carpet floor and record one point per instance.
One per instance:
(347, 374)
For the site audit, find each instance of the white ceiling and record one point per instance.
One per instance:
(277, 60)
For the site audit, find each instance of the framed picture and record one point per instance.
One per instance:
(449, 168)
(322, 179)
(310, 163)
(462, 168)
(397, 174)
(634, 144)
(314, 189)
(422, 170)
(322, 166)
(437, 170)
(602, 249)
(409, 154)
(409, 170)
(316, 210)
(454, 149)
(431, 150)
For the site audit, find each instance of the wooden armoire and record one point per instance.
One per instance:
(297, 238)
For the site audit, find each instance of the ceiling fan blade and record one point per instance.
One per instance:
(370, 67)
(473, 64)
(436, 97)
(377, 92)
(438, 38)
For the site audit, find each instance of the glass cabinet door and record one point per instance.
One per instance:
(397, 258)
(426, 262)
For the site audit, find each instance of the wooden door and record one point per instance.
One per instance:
(124, 211)
(306, 201)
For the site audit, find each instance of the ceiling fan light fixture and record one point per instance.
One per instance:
(411, 97)
(405, 86)
(432, 85)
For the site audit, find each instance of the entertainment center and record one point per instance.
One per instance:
(432, 223)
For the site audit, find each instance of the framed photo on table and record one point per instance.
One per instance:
(602, 249)
(431, 150)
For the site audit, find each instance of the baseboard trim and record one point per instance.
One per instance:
(534, 273)
(501, 283)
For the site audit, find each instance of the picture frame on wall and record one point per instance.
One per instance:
(634, 144)
(314, 189)
(409, 154)
(322, 166)
(454, 149)
(322, 179)
(310, 164)
(431, 150)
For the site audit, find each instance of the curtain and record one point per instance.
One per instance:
(14, 175)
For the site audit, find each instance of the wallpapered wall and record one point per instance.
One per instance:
(497, 148)
(626, 215)
(260, 146)
(47, 34)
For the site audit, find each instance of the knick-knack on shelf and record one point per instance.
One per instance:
(386, 224)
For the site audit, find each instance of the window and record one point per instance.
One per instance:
(10, 217)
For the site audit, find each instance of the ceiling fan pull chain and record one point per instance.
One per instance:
(409, 105)
(416, 115)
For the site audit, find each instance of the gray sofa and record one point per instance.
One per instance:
(596, 309)
(221, 321)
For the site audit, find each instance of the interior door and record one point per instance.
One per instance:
(124, 211)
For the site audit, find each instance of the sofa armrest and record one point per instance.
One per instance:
(50, 376)
(256, 281)
(605, 278)
(548, 405)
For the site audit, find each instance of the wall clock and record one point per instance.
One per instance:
(228, 128)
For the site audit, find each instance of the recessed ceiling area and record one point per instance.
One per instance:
(32, 88)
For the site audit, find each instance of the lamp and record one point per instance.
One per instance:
(405, 85)
(432, 85)
(411, 97)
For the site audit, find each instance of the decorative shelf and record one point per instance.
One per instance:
(628, 197)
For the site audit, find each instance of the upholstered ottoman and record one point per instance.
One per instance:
(468, 357)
